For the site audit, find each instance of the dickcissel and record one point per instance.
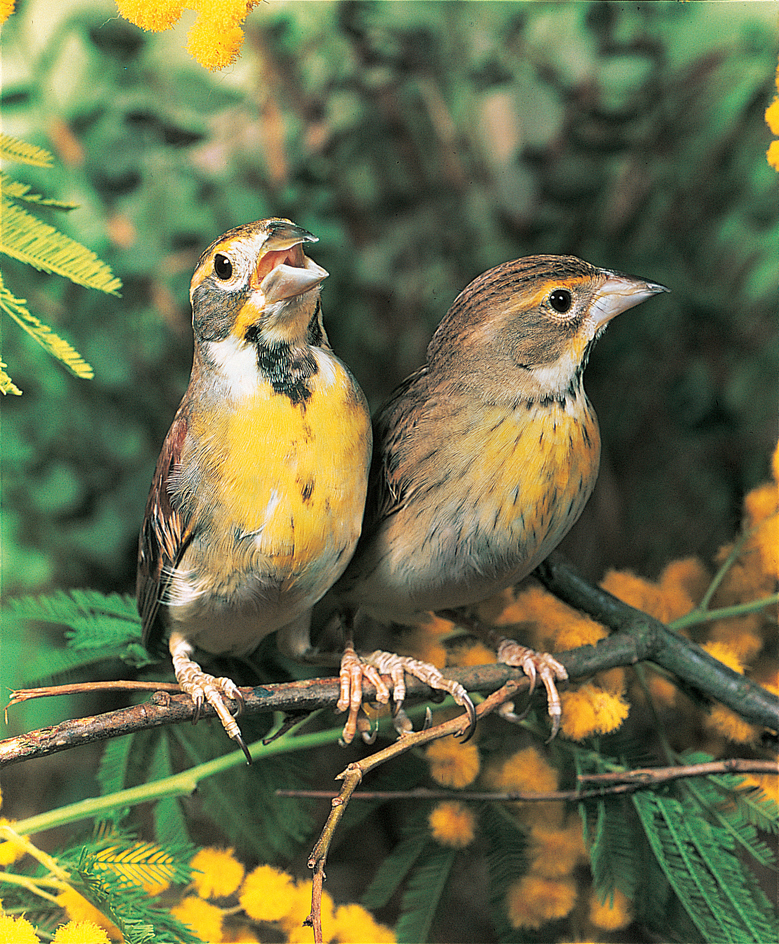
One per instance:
(257, 499)
(484, 457)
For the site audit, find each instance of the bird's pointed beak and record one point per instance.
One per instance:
(283, 270)
(621, 292)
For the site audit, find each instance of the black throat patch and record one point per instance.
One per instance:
(288, 370)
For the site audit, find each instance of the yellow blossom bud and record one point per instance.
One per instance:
(202, 918)
(613, 914)
(79, 932)
(452, 824)
(151, 15)
(533, 900)
(453, 764)
(217, 872)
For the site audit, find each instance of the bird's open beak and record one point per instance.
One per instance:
(283, 269)
(621, 292)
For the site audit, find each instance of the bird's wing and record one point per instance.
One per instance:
(164, 537)
(391, 477)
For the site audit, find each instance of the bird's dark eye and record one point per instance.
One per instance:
(223, 267)
(561, 300)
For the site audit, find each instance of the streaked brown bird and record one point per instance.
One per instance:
(484, 457)
(257, 500)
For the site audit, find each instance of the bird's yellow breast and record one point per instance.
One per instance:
(287, 480)
(494, 498)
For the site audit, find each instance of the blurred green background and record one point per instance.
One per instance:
(423, 143)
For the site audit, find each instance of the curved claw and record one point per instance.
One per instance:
(470, 710)
(242, 744)
(537, 665)
(203, 687)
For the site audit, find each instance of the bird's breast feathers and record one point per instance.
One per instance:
(503, 492)
(286, 481)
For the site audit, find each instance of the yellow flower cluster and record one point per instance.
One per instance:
(738, 641)
(6, 9)
(772, 120)
(216, 36)
(266, 895)
(452, 824)
(453, 764)
(21, 931)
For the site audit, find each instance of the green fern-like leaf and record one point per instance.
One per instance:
(719, 800)
(615, 850)
(95, 618)
(270, 829)
(506, 862)
(395, 867)
(128, 906)
(98, 627)
(12, 149)
(28, 239)
(19, 191)
(424, 892)
(6, 384)
(16, 308)
(698, 860)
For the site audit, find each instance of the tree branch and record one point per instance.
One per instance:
(658, 643)
(636, 637)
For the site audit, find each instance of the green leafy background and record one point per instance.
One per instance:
(423, 143)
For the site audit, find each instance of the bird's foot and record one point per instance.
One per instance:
(537, 665)
(356, 669)
(202, 687)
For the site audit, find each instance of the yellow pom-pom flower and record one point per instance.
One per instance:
(353, 924)
(79, 909)
(762, 512)
(80, 932)
(453, 764)
(217, 872)
(613, 914)
(17, 931)
(554, 853)
(203, 918)
(6, 9)
(534, 900)
(452, 824)
(723, 721)
(526, 771)
(591, 710)
(267, 894)
(151, 16)
(215, 46)
(726, 654)
(557, 625)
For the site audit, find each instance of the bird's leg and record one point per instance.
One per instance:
(536, 665)
(203, 687)
(357, 668)
(354, 671)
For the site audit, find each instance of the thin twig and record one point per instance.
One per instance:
(87, 688)
(613, 783)
(353, 775)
